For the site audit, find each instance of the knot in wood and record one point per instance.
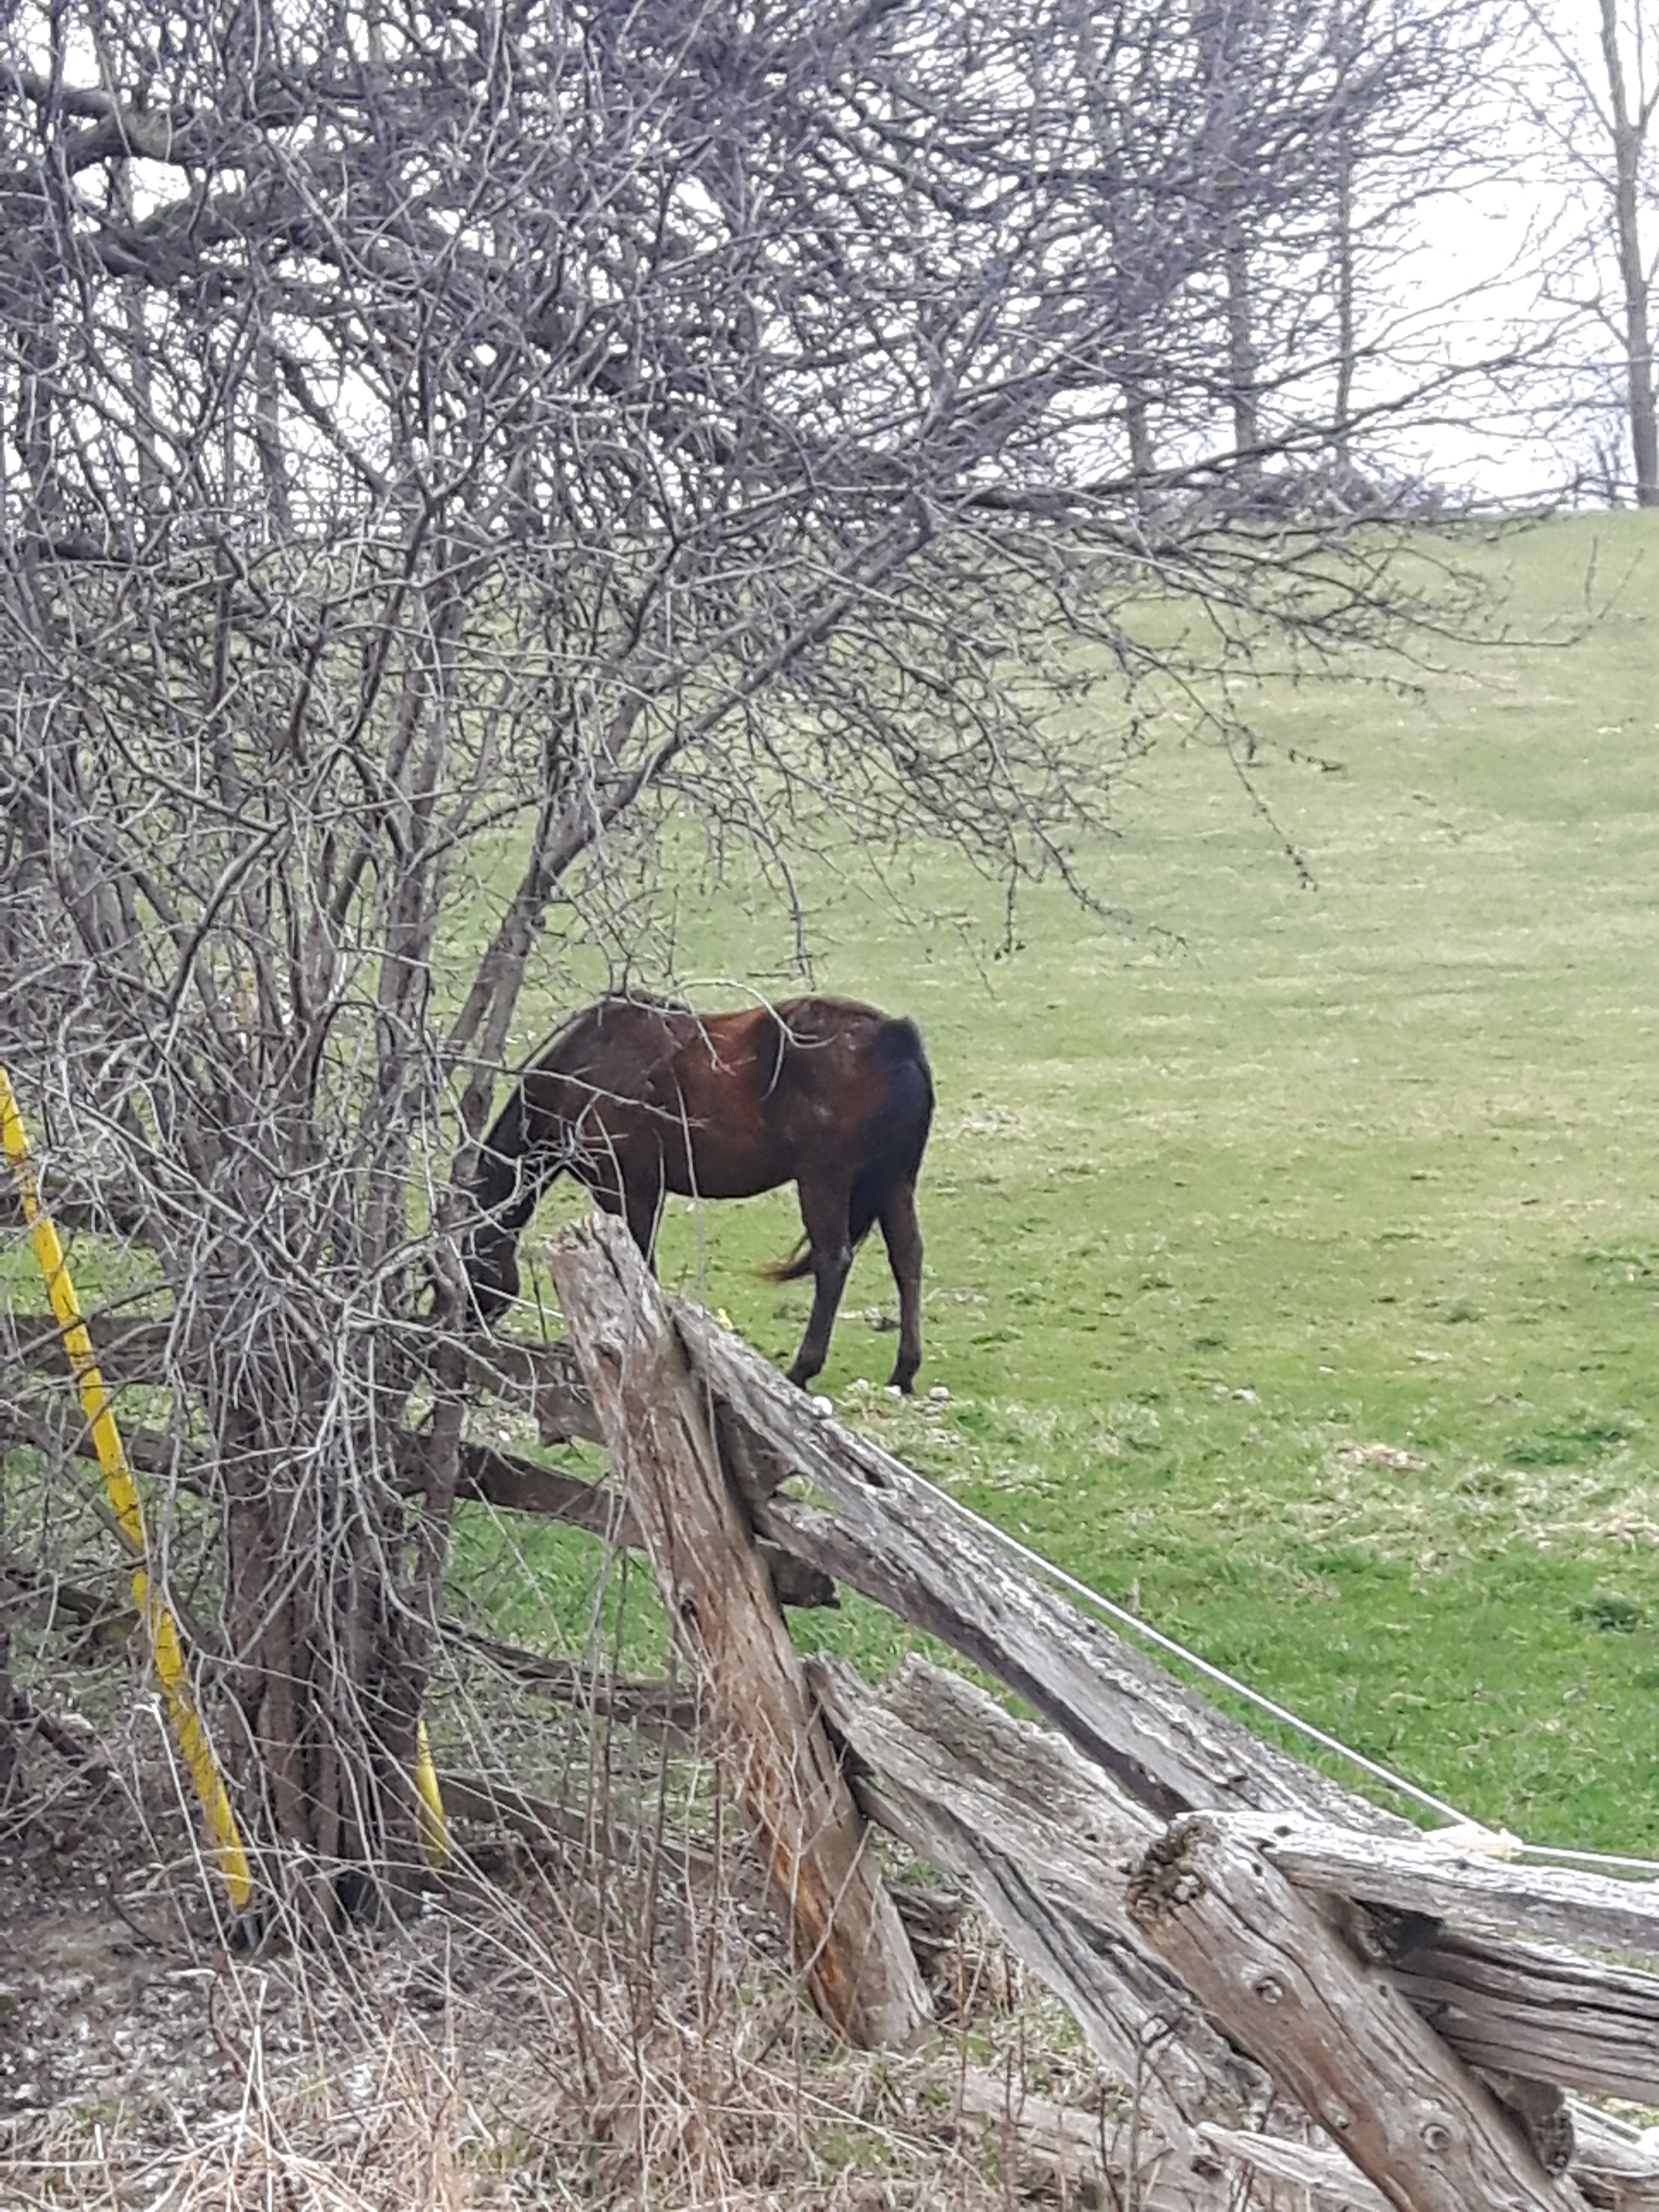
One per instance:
(1436, 2135)
(1270, 1989)
(1165, 1879)
(1385, 1935)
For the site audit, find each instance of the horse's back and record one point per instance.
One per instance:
(877, 1039)
(623, 1022)
(734, 1103)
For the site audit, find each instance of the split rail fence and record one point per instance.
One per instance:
(1290, 1982)
(1307, 2002)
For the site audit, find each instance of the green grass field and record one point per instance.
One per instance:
(1293, 1256)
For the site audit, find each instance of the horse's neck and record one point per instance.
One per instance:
(510, 1175)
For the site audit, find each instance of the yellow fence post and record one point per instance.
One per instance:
(167, 1648)
(433, 1828)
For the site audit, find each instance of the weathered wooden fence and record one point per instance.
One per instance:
(1292, 1985)
(1288, 1980)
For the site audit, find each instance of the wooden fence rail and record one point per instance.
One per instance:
(945, 1766)
(1472, 1893)
(847, 1939)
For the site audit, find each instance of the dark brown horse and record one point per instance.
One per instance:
(636, 1098)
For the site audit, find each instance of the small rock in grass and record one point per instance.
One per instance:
(938, 1396)
(1389, 1456)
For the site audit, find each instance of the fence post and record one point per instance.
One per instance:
(845, 1932)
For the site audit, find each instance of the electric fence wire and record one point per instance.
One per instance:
(1121, 1617)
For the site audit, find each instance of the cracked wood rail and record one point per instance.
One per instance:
(1269, 1971)
(1014, 1816)
(1517, 2008)
(1481, 1896)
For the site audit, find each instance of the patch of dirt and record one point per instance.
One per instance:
(108, 1954)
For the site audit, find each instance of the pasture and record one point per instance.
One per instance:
(1292, 1253)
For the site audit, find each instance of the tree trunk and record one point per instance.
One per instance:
(1224, 37)
(330, 1633)
(1342, 413)
(1628, 134)
(1241, 349)
(1138, 423)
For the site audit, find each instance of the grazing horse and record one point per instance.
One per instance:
(636, 1097)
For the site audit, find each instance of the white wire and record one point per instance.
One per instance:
(1266, 1704)
(1589, 1858)
(1281, 1713)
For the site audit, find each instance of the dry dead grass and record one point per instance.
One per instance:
(558, 2028)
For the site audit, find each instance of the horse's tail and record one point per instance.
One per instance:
(790, 1270)
(898, 1130)
(898, 1136)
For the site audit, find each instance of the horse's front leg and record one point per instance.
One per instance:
(642, 1206)
(824, 1213)
(901, 1231)
(637, 1195)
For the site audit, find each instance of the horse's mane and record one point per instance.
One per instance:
(497, 1176)
(651, 1000)
(539, 1053)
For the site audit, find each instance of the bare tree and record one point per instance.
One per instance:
(443, 444)
(1315, 308)
(1394, 173)
(1596, 99)
(1307, 313)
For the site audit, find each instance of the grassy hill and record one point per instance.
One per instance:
(1294, 1254)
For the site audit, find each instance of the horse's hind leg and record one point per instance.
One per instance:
(901, 1231)
(643, 1210)
(824, 1213)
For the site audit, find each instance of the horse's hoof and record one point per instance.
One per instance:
(901, 1382)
